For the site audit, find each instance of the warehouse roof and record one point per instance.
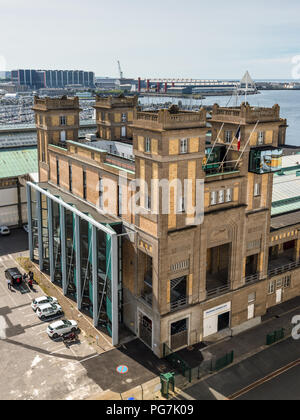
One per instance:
(285, 220)
(15, 162)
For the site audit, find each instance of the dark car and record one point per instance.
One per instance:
(14, 275)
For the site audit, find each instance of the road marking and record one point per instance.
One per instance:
(7, 293)
(122, 369)
(59, 349)
(3, 327)
(217, 395)
(262, 381)
(88, 358)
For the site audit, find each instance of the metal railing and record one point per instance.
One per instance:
(253, 278)
(284, 268)
(180, 303)
(179, 340)
(218, 291)
(147, 298)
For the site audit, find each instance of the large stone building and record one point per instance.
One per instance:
(172, 277)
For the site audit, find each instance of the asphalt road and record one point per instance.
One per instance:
(16, 242)
(236, 378)
(285, 387)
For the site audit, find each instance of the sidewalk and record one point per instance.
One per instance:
(254, 340)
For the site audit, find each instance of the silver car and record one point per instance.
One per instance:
(49, 310)
(59, 328)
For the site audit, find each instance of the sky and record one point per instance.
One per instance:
(158, 38)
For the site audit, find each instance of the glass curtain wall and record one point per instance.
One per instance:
(34, 221)
(71, 254)
(102, 277)
(45, 234)
(63, 228)
(57, 243)
(86, 265)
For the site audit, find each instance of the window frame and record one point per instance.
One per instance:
(183, 146)
(257, 189)
(261, 138)
(147, 145)
(226, 136)
(213, 198)
(221, 196)
(63, 120)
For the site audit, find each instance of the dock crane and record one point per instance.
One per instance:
(120, 71)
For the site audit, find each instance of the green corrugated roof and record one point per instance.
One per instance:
(14, 162)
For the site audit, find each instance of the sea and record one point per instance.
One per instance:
(288, 100)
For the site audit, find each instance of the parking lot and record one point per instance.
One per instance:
(32, 365)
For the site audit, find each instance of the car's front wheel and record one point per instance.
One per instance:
(55, 336)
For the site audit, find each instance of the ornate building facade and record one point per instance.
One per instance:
(172, 277)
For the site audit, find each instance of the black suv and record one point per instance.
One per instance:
(14, 275)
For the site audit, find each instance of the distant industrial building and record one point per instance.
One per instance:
(38, 79)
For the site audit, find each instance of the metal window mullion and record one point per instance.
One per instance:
(40, 228)
(95, 277)
(63, 248)
(78, 262)
(29, 213)
(51, 238)
(115, 289)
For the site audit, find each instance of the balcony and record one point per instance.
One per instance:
(253, 278)
(221, 290)
(222, 169)
(281, 262)
(276, 270)
(148, 298)
(178, 304)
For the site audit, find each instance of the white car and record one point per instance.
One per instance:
(49, 310)
(26, 228)
(42, 301)
(59, 328)
(4, 231)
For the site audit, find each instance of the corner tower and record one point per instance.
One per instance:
(113, 116)
(57, 120)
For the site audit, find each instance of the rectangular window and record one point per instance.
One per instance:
(70, 178)
(252, 297)
(221, 196)
(57, 172)
(119, 201)
(228, 195)
(102, 116)
(228, 136)
(100, 193)
(213, 198)
(148, 202)
(181, 205)
(279, 283)
(183, 146)
(257, 189)
(124, 117)
(63, 120)
(148, 145)
(63, 136)
(84, 185)
(287, 282)
(271, 287)
(261, 138)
